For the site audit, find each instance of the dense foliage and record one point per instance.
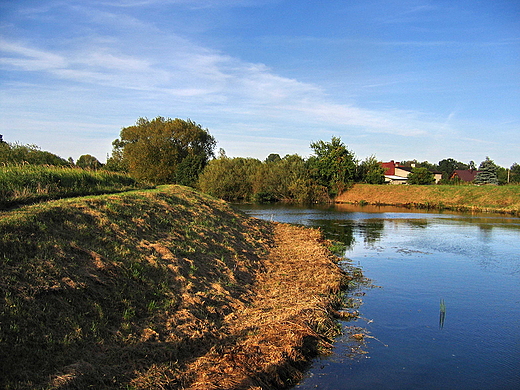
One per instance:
(370, 171)
(332, 166)
(13, 153)
(163, 150)
(88, 161)
(514, 173)
(421, 175)
(332, 169)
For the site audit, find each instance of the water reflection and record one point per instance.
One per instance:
(372, 230)
(424, 262)
(338, 232)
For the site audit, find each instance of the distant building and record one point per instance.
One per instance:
(466, 175)
(396, 173)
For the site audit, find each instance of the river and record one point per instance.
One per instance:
(445, 309)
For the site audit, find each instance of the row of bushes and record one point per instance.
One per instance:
(290, 178)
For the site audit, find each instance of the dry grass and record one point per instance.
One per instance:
(288, 321)
(503, 199)
(159, 289)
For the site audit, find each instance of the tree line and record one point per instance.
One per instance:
(165, 150)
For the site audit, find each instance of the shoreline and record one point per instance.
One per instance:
(163, 288)
(292, 317)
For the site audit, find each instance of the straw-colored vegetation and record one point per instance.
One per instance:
(164, 288)
(25, 183)
(503, 199)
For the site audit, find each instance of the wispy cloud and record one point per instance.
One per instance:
(113, 63)
(18, 56)
(188, 70)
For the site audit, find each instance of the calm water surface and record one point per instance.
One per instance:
(471, 262)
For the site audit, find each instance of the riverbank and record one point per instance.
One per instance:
(164, 288)
(499, 199)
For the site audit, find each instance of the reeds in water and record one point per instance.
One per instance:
(442, 314)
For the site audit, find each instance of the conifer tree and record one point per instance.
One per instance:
(487, 172)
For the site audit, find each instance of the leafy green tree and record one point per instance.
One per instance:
(14, 153)
(287, 179)
(487, 172)
(502, 175)
(514, 173)
(421, 175)
(332, 166)
(371, 171)
(273, 157)
(88, 161)
(115, 162)
(164, 150)
(229, 178)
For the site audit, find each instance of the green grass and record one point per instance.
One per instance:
(23, 184)
(503, 199)
(100, 291)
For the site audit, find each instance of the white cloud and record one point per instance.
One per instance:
(22, 57)
(123, 67)
(208, 77)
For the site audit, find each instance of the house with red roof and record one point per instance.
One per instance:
(395, 173)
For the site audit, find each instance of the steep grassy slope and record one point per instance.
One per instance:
(88, 285)
(504, 199)
(148, 289)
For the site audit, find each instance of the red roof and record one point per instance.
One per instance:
(389, 167)
(465, 174)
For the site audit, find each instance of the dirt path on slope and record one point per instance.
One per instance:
(289, 321)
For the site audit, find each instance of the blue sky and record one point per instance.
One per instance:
(398, 79)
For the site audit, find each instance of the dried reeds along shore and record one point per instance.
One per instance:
(160, 289)
(289, 320)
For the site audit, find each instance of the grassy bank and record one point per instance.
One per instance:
(502, 199)
(23, 184)
(164, 288)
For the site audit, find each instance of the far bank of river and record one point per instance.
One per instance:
(500, 199)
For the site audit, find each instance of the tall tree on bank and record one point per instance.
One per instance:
(164, 150)
(371, 171)
(332, 165)
(487, 172)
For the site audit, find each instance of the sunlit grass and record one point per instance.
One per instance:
(87, 283)
(504, 199)
(21, 184)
